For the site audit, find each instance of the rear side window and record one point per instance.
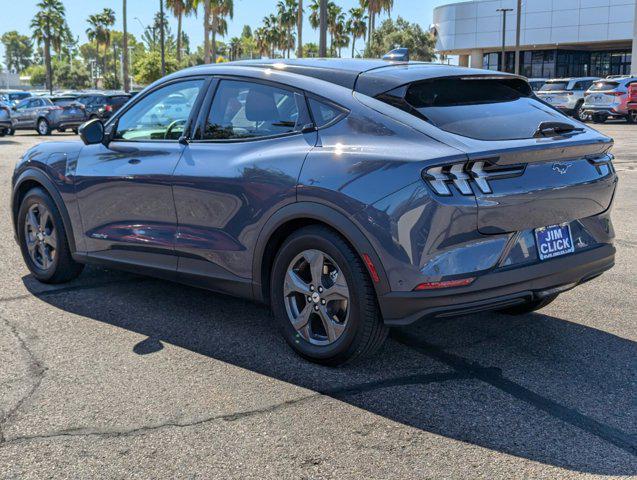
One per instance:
(324, 113)
(245, 110)
(601, 86)
(484, 109)
(63, 102)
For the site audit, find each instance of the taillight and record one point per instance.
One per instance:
(462, 175)
(108, 108)
(56, 108)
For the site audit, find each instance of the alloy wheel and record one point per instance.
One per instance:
(317, 297)
(43, 127)
(40, 236)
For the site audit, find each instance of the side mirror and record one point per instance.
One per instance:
(92, 132)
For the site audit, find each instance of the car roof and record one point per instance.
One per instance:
(367, 76)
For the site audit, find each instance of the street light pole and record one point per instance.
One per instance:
(517, 38)
(504, 35)
(161, 38)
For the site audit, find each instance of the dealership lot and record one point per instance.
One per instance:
(115, 375)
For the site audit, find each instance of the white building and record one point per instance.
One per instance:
(9, 80)
(559, 38)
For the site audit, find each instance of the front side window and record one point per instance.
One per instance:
(161, 115)
(245, 110)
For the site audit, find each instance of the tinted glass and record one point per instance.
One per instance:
(484, 109)
(554, 86)
(118, 101)
(18, 96)
(161, 115)
(242, 110)
(63, 102)
(324, 113)
(601, 86)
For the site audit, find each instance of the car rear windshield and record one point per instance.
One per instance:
(480, 108)
(554, 86)
(118, 101)
(63, 102)
(601, 86)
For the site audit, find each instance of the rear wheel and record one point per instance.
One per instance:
(323, 298)
(43, 240)
(43, 127)
(632, 117)
(11, 131)
(529, 307)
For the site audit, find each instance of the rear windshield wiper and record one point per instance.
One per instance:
(552, 129)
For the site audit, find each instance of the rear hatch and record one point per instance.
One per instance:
(69, 109)
(527, 165)
(555, 92)
(603, 94)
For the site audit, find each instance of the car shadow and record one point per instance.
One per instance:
(534, 386)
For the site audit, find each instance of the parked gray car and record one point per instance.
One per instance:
(5, 119)
(567, 95)
(349, 195)
(45, 114)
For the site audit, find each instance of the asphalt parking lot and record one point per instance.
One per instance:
(120, 376)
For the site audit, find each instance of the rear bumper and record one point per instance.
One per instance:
(607, 111)
(499, 289)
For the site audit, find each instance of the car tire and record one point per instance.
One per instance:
(579, 114)
(329, 329)
(632, 117)
(61, 130)
(3, 133)
(11, 131)
(43, 241)
(43, 127)
(531, 306)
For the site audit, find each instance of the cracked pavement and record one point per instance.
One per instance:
(120, 376)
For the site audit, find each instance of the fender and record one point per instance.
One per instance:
(324, 214)
(33, 174)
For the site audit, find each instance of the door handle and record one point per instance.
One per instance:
(134, 161)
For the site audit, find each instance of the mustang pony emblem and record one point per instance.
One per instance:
(561, 168)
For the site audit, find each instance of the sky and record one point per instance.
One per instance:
(16, 15)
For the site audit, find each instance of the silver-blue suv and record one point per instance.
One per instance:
(349, 195)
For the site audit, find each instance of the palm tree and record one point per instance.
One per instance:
(99, 32)
(235, 48)
(288, 16)
(219, 10)
(261, 37)
(272, 33)
(179, 9)
(299, 30)
(375, 7)
(335, 19)
(356, 26)
(49, 29)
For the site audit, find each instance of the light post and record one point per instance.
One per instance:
(517, 38)
(323, 29)
(504, 34)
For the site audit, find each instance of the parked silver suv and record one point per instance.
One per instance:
(567, 94)
(608, 98)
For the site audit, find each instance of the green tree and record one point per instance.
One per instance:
(100, 33)
(374, 8)
(219, 11)
(179, 9)
(356, 26)
(18, 51)
(148, 67)
(50, 30)
(37, 74)
(400, 33)
(310, 50)
(287, 11)
(73, 76)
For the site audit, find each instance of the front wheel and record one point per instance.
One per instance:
(323, 298)
(43, 241)
(580, 114)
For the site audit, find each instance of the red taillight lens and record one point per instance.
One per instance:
(108, 108)
(463, 282)
(56, 108)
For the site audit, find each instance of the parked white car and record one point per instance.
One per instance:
(567, 94)
(608, 98)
